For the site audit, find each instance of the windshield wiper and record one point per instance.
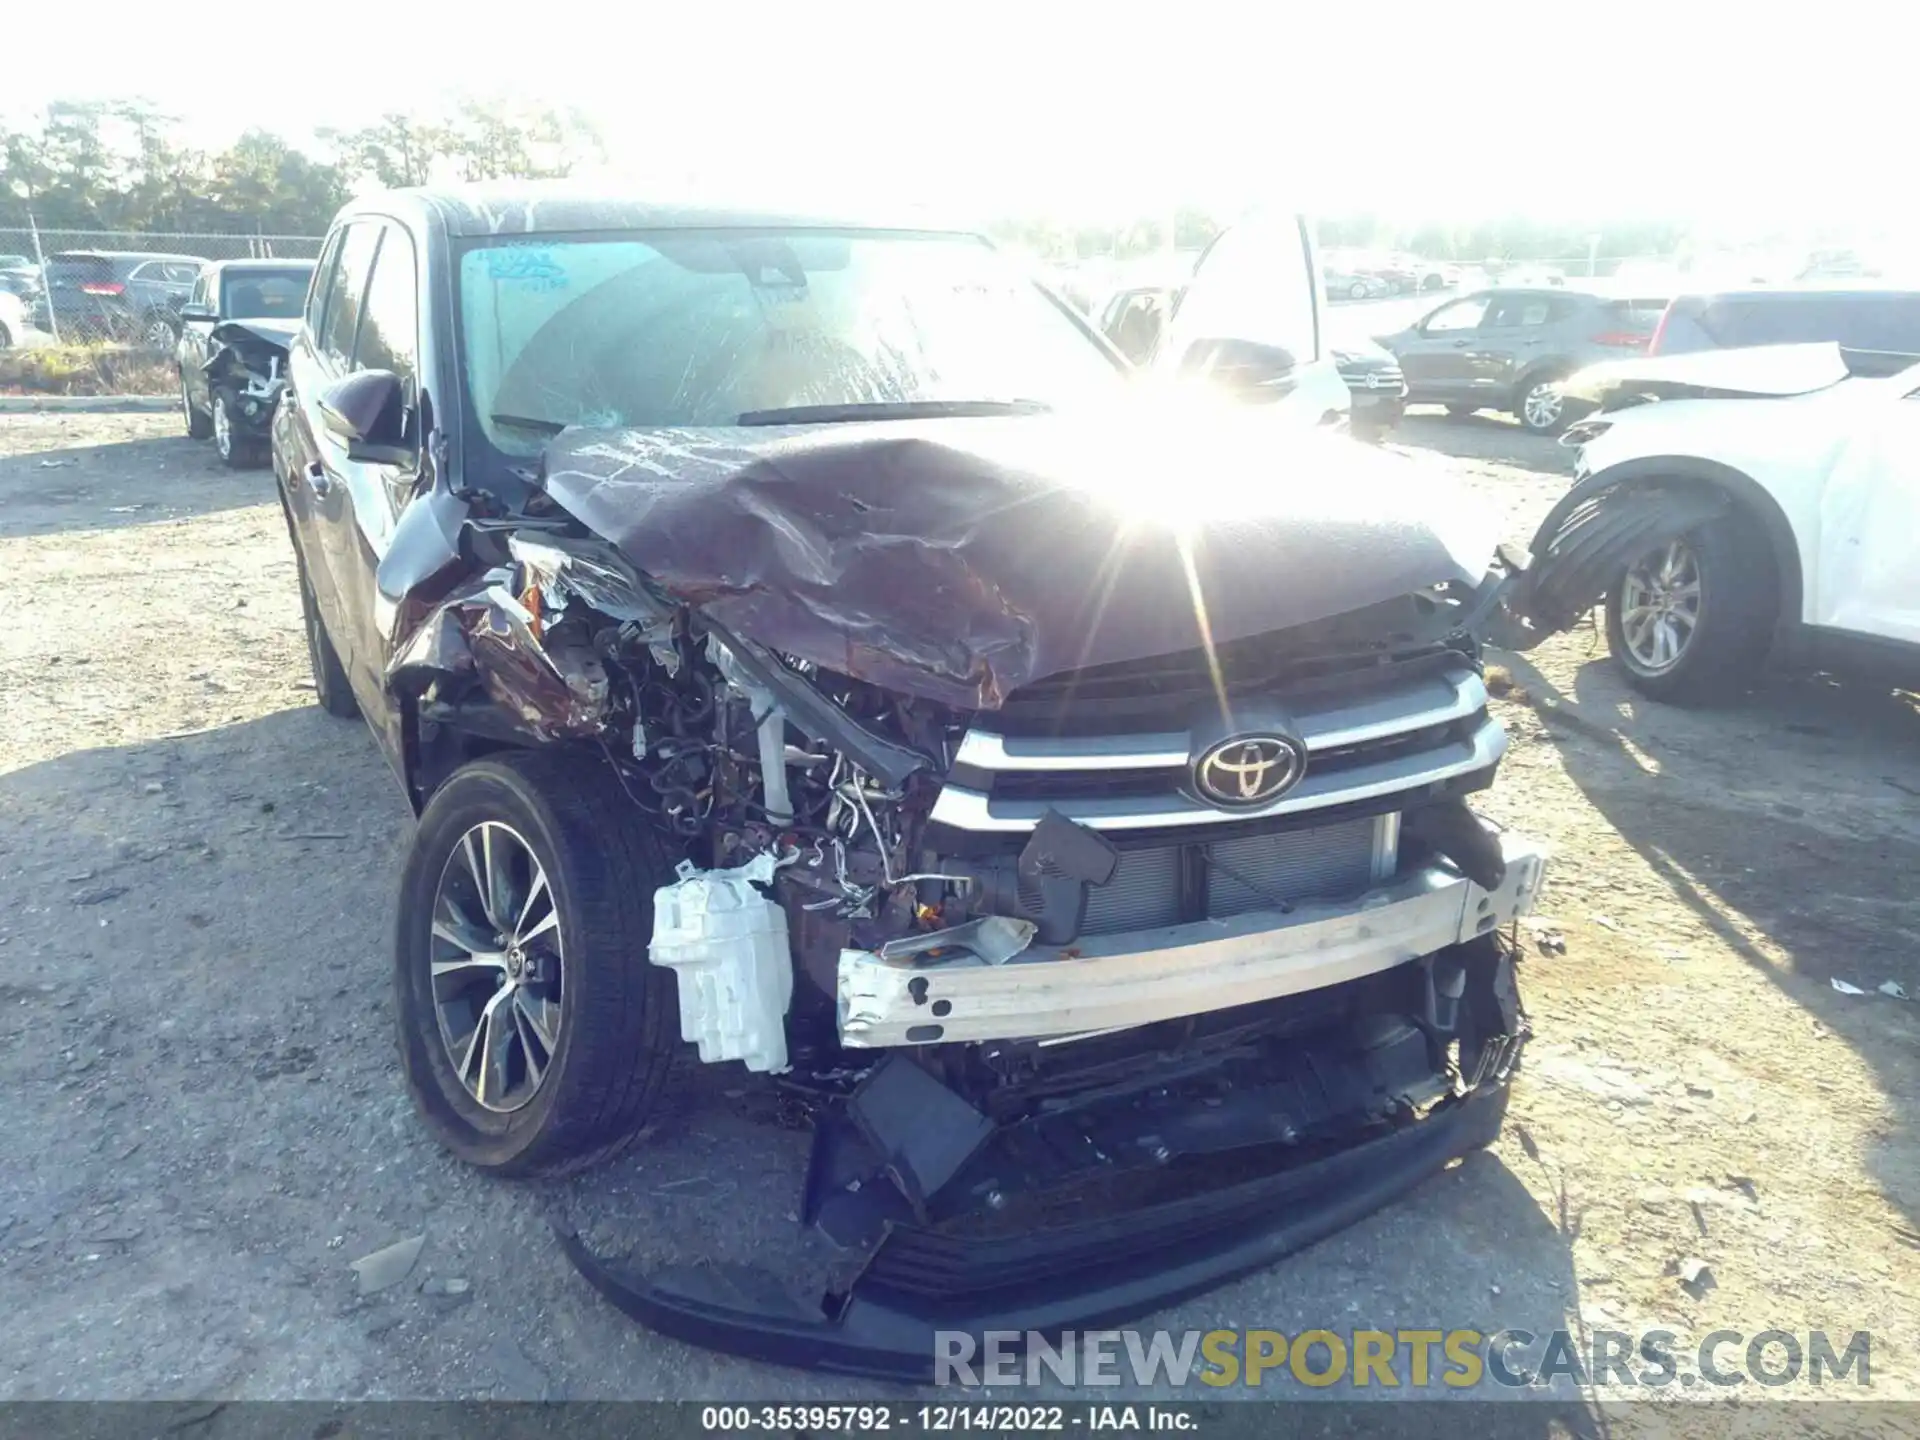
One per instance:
(890, 410)
(529, 422)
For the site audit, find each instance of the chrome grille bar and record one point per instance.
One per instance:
(1434, 700)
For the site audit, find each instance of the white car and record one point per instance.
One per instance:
(14, 325)
(1737, 508)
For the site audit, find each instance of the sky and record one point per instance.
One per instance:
(1730, 115)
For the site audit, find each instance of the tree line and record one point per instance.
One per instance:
(1512, 238)
(121, 165)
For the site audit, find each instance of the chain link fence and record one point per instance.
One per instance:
(129, 301)
(200, 246)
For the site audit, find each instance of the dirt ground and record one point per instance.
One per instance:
(207, 1125)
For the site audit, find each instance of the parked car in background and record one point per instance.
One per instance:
(19, 276)
(1859, 317)
(1352, 285)
(1437, 275)
(14, 322)
(232, 354)
(1399, 273)
(129, 297)
(1509, 348)
(1377, 388)
(1734, 509)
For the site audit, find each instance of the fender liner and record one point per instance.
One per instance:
(1748, 494)
(1586, 535)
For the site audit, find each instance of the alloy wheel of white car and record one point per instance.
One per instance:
(1542, 405)
(1660, 598)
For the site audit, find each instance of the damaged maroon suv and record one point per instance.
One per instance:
(808, 646)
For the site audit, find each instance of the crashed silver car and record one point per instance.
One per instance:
(811, 650)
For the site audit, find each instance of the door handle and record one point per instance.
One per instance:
(1461, 344)
(317, 480)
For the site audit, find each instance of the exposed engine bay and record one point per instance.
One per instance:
(248, 360)
(1051, 919)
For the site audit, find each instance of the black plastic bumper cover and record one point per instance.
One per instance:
(886, 1329)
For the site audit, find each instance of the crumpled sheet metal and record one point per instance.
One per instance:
(484, 630)
(958, 560)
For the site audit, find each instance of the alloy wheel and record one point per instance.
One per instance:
(159, 335)
(1542, 406)
(497, 968)
(1660, 599)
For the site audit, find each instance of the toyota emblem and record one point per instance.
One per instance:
(1249, 770)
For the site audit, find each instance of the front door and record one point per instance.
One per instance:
(1436, 355)
(1867, 575)
(1512, 337)
(371, 323)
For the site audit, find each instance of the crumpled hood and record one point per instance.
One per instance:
(959, 560)
(272, 332)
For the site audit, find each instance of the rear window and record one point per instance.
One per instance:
(1888, 321)
(1635, 314)
(80, 267)
(264, 294)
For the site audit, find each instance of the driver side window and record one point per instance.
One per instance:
(1461, 315)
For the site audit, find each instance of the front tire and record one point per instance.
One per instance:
(1691, 620)
(199, 426)
(536, 1036)
(237, 449)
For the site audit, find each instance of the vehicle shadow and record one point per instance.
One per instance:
(56, 487)
(1486, 437)
(1791, 814)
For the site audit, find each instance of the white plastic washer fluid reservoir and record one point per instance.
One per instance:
(727, 944)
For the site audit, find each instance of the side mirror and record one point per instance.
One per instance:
(197, 312)
(1244, 369)
(367, 412)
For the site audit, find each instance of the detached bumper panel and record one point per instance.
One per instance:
(1102, 1273)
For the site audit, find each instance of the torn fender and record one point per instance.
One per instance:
(960, 559)
(485, 630)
